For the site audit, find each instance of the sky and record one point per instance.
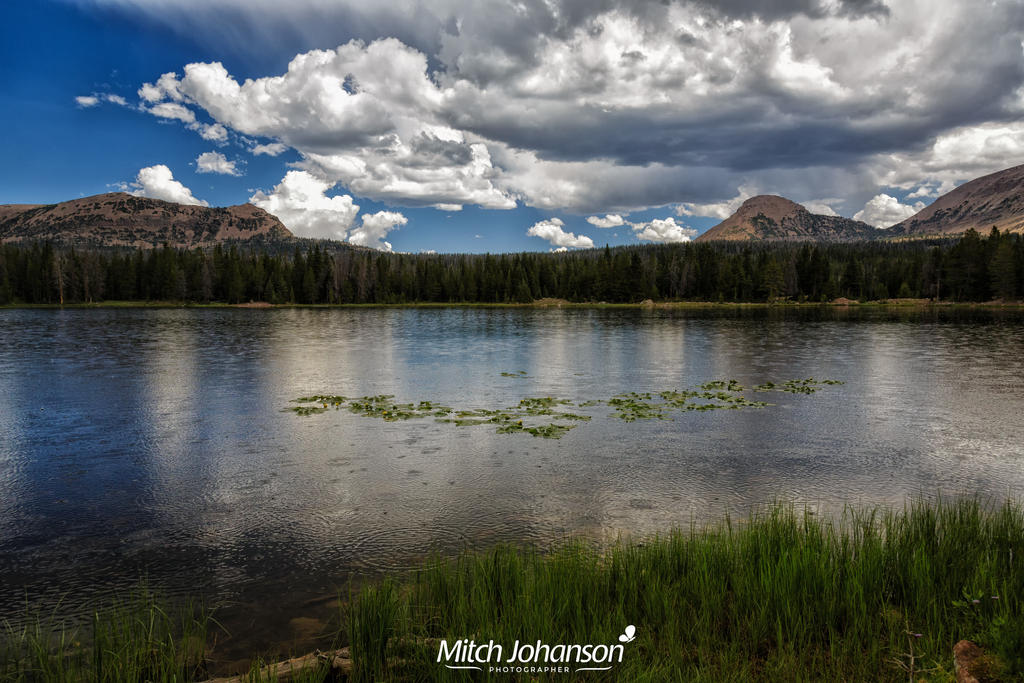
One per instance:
(534, 125)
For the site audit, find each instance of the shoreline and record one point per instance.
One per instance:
(910, 304)
(781, 594)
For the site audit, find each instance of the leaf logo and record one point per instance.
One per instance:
(629, 636)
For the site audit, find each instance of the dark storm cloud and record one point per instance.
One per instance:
(772, 10)
(432, 151)
(598, 101)
(764, 124)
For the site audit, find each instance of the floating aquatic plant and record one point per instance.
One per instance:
(731, 385)
(635, 406)
(548, 431)
(307, 410)
(631, 406)
(806, 386)
(510, 420)
(382, 406)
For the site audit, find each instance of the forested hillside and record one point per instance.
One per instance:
(972, 268)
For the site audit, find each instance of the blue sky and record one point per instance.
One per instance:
(483, 126)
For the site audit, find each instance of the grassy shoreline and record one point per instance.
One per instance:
(872, 595)
(681, 305)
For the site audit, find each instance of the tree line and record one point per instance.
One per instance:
(971, 268)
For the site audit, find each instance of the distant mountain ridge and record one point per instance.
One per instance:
(994, 200)
(118, 219)
(770, 217)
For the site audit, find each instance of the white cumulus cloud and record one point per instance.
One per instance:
(300, 201)
(717, 209)
(166, 87)
(822, 207)
(663, 230)
(884, 210)
(375, 227)
(366, 115)
(157, 182)
(93, 99)
(173, 110)
(86, 101)
(215, 162)
(271, 149)
(213, 132)
(611, 220)
(925, 190)
(955, 156)
(552, 230)
(150, 93)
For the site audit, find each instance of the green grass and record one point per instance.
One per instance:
(785, 595)
(136, 638)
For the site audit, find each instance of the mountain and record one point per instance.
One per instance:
(769, 217)
(993, 200)
(118, 219)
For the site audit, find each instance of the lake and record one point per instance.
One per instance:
(155, 442)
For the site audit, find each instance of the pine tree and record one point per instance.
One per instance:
(1004, 270)
(773, 280)
(6, 292)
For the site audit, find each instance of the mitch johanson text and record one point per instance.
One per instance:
(469, 654)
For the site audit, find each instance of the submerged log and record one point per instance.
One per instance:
(338, 661)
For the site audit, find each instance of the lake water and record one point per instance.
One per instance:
(154, 442)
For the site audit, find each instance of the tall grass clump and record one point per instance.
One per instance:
(870, 595)
(137, 638)
(374, 618)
